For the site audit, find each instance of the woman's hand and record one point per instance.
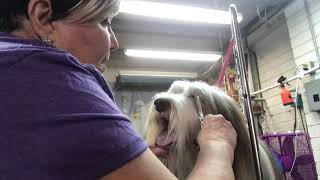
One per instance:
(217, 141)
(217, 136)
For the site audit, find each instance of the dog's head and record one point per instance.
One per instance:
(173, 122)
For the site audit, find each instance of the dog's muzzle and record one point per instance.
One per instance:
(161, 104)
(164, 140)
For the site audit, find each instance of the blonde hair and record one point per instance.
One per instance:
(93, 11)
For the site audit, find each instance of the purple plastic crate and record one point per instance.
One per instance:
(303, 167)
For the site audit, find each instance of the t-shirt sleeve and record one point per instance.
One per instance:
(76, 125)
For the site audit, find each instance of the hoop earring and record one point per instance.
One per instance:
(46, 40)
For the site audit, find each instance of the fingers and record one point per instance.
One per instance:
(217, 129)
(216, 121)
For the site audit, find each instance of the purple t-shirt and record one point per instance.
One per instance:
(58, 119)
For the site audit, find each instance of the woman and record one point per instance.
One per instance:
(58, 117)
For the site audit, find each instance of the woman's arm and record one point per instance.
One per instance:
(214, 166)
(145, 167)
(217, 141)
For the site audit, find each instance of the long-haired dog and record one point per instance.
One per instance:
(173, 125)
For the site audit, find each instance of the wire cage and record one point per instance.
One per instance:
(294, 152)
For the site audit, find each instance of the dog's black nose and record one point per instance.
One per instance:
(161, 104)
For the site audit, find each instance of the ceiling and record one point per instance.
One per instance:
(141, 32)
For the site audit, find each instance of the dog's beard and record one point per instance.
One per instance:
(174, 131)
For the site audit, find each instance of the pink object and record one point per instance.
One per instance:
(226, 63)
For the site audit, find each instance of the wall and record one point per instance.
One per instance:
(304, 53)
(271, 43)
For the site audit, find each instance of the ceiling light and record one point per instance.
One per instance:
(157, 74)
(176, 12)
(171, 55)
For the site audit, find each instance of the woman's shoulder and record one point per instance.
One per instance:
(16, 49)
(37, 55)
(25, 58)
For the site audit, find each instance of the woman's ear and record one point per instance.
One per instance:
(40, 15)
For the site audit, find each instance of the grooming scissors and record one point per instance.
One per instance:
(200, 112)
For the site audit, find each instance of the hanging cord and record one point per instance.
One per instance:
(305, 123)
(295, 152)
(305, 128)
(295, 122)
(300, 71)
(296, 107)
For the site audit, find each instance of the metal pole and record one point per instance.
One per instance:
(244, 90)
(289, 80)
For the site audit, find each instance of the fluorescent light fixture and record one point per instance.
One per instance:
(176, 12)
(170, 55)
(157, 74)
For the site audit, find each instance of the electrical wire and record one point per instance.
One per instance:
(295, 138)
(303, 124)
(304, 121)
(300, 70)
(295, 120)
